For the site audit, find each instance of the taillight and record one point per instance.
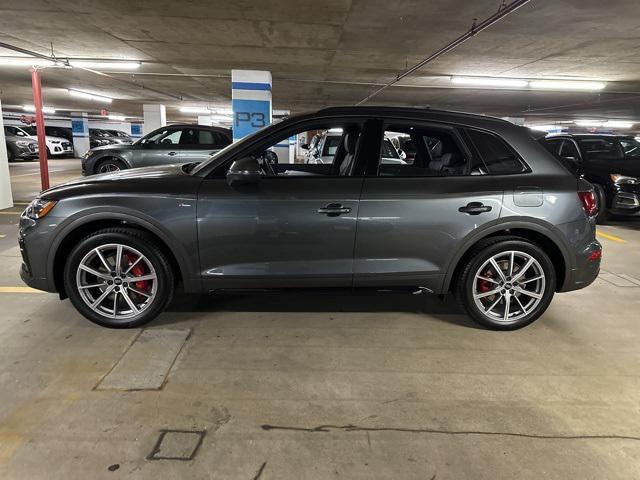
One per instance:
(589, 202)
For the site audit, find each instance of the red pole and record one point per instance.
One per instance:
(42, 144)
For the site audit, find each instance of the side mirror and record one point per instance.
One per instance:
(244, 171)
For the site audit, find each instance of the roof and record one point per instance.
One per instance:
(410, 111)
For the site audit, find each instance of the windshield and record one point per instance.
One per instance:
(30, 130)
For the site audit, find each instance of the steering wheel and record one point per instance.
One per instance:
(270, 163)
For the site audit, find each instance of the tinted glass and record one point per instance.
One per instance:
(569, 150)
(388, 150)
(331, 145)
(497, 157)
(598, 149)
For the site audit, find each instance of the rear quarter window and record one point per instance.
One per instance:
(497, 156)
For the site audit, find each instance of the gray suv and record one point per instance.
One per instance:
(19, 147)
(170, 144)
(490, 215)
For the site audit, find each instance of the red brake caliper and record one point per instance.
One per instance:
(484, 285)
(137, 271)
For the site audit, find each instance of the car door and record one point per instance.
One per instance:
(295, 229)
(161, 148)
(198, 144)
(413, 217)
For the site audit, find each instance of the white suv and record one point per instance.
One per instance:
(56, 146)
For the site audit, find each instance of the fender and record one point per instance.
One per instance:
(524, 223)
(192, 282)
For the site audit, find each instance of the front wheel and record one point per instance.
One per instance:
(603, 215)
(119, 278)
(506, 283)
(109, 165)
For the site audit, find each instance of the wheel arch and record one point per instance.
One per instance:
(534, 232)
(83, 226)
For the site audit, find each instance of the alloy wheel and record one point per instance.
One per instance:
(116, 281)
(109, 167)
(509, 286)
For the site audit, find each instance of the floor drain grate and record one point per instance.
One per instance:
(177, 445)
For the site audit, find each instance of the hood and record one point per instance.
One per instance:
(49, 138)
(110, 182)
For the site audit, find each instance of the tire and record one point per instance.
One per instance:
(603, 215)
(141, 255)
(521, 312)
(10, 155)
(109, 165)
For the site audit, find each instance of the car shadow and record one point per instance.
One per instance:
(630, 222)
(432, 306)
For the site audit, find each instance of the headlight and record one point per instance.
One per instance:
(22, 143)
(622, 179)
(39, 208)
(88, 154)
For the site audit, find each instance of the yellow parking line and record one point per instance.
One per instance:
(10, 213)
(610, 237)
(19, 290)
(2, 236)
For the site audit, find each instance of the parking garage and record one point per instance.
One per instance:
(207, 269)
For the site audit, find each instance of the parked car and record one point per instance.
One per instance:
(19, 147)
(495, 218)
(323, 147)
(56, 146)
(99, 138)
(611, 163)
(171, 144)
(62, 132)
(119, 136)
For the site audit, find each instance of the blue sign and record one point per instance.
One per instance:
(77, 128)
(249, 116)
(136, 129)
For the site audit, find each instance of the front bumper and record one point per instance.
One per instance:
(64, 148)
(626, 199)
(34, 241)
(27, 152)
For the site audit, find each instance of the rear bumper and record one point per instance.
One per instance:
(586, 270)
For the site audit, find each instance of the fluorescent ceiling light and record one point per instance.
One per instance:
(545, 128)
(31, 108)
(120, 118)
(97, 64)
(89, 96)
(26, 62)
(618, 124)
(490, 81)
(203, 110)
(566, 85)
(589, 123)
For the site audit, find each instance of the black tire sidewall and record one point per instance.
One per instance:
(146, 246)
(602, 214)
(468, 277)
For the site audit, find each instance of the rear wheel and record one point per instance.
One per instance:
(506, 283)
(119, 278)
(10, 155)
(109, 165)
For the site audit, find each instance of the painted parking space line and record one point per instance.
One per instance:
(608, 236)
(19, 290)
(10, 213)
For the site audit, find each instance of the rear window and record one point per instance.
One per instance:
(497, 156)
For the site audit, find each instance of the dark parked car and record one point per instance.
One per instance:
(611, 163)
(494, 218)
(99, 138)
(19, 147)
(171, 144)
(119, 136)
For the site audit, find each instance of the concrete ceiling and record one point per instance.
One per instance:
(330, 52)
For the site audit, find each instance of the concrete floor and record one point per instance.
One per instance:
(349, 387)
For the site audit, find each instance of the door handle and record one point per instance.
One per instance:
(334, 209)
(475, 208)
(171, 154)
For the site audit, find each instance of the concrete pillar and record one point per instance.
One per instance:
(250, 101)
(80, 130)
(155, 116)
(6, 199)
